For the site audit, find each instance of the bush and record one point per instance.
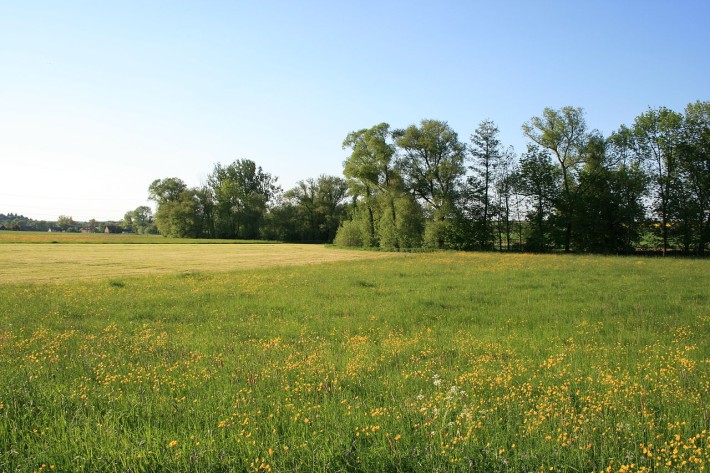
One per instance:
(349, 234)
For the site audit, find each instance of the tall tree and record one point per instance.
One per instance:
(138, 220)
(564, 133)
(432, 166)
(174, 203)
(128, 221)
(538, 181)
(315, 209)
(384, 213)
(504, 192)
(369, 169)
(241, 192)
(433, 163)
(486, 155)
(656, 137)
(694, 162)
(608, 209)
(180, 217)
(166, 190)
(142, 218)
(631, 183)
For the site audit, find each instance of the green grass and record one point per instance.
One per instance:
(426, 362)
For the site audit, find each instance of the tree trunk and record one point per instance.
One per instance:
(372, 224)
(704, 232)
(507, 223)
(485, 236)
(568, 210)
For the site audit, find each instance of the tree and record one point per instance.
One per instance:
(384, 213)
(166, 190)
(433, 163)
(656, 137)
(694, 164)
(128, 221)
(631, 183)
(180, 210)
(563, 132)
(504, 192)
(369, 170)
(538, 181)
(608, 209)
(315, 208)
(487, 157)
(140, 219)
(329, 194)
(66, 223)
(180, 217)
(432, 167)
(241, 193)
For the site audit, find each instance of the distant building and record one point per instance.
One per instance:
(113, 229)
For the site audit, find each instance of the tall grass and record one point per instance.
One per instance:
(434, 362)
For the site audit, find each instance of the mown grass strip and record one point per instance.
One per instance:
(112, 238)
(31, 263)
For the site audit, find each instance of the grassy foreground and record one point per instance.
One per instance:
(433, 362)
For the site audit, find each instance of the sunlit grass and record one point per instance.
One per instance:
(7, 236)
(435, 362)
(33, 263)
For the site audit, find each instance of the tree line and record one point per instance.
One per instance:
(646, 185)
(139, 220)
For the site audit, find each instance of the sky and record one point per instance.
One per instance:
(99, 99)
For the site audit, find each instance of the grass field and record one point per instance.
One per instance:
(7, 236)
(33, 263)
(428, 362)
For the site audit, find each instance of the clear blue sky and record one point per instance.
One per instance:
(98, 99)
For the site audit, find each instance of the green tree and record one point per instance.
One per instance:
(141, 218)
(369, 171)
(564, 133)
(315, 208)
(656, 138)
(180, 217)
(538, 182)
(432, 167)
(694, 164)
(433, 163)
(180, 210)
(384, 213)
(66, 223)
(127, 223)
(486, 155)
(241, 192)
(504, 194)
(609, 209)
(166, 190)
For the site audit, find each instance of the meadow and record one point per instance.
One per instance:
(33, 263)
(8, 236)
(416, 362)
